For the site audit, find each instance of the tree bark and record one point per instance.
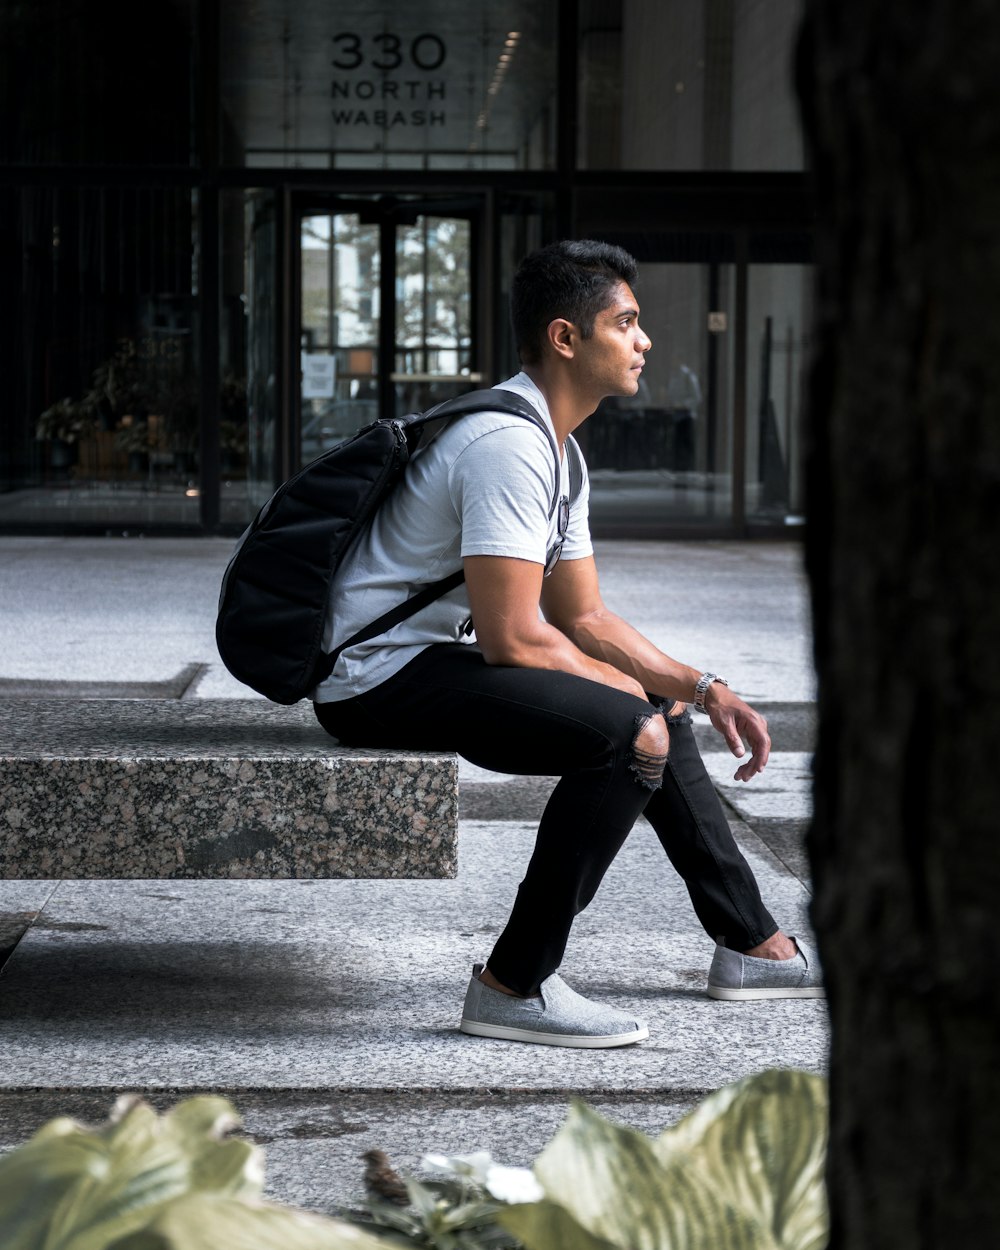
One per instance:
(902, 109)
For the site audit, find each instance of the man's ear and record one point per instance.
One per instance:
(562, 335)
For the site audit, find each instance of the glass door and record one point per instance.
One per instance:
(433, 348)
(340, 267)
(381, 281)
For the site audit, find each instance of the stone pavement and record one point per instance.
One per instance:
(327, 1010)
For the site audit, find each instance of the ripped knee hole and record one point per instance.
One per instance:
(648, 758)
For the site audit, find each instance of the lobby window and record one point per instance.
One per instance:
(664, 456)
(100, 410)
(683, 86)
(779, 316)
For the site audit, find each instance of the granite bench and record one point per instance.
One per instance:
(103, 788)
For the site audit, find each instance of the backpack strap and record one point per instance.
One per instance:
(409, 607)
(495, 400)
(576, 468)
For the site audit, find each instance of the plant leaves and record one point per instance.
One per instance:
(761, 1144)
(504, 1183)
(470, 1214)
(614, 1185)
(423, 1200)
(546, 1225)
(76, 1188)
(208, 1222)
(233, 1166)
(744, 1171)
(388, 1216)
(35, 1177)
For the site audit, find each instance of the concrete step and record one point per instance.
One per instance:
(328, 1010)
(313, 1139)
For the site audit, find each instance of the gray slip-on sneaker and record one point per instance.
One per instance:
(558, 1016)
(739, 977)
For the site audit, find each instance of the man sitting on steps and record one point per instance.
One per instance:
(552, 682)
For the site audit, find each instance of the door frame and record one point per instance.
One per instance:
(388, 210)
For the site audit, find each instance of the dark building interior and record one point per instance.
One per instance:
(233, 231)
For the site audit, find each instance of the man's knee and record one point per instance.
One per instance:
(649, 750)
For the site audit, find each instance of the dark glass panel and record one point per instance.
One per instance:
(779, 315)
(101, 401)
(96, 83)
(682, 86)
(664, 456)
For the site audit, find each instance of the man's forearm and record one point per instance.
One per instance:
(549, 648)
(607, 637)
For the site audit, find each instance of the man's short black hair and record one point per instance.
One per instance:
(572, 279)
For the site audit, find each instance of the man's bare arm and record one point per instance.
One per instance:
(504, 596)
(572, 603)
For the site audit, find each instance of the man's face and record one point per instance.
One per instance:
(611, 360)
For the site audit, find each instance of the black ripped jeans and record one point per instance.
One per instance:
(534, 721)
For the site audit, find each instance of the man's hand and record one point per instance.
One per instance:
(737, 721)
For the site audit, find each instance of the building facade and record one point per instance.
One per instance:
(233, 231)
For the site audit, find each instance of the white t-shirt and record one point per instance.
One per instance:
(482, 487)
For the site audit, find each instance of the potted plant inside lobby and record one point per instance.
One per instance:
(132, 437)
(63, 425)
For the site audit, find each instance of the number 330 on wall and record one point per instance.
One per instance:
(424, 51)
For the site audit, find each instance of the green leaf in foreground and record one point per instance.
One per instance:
(742, 1172)
(546, 1225)
(207, 1222)
(611, 1181)
(761, 1144)
(77, 1188)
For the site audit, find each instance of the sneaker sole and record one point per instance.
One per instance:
(728, 995)
(579, 1041)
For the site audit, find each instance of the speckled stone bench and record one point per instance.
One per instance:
(212, 788)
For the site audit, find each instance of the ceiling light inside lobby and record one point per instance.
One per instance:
(504, 60)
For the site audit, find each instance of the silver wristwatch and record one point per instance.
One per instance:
(701, 689)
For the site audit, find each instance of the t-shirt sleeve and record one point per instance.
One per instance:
(501, 486)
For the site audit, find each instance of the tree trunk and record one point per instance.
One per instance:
(902, 107)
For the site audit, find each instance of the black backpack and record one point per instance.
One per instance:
(275, 589)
